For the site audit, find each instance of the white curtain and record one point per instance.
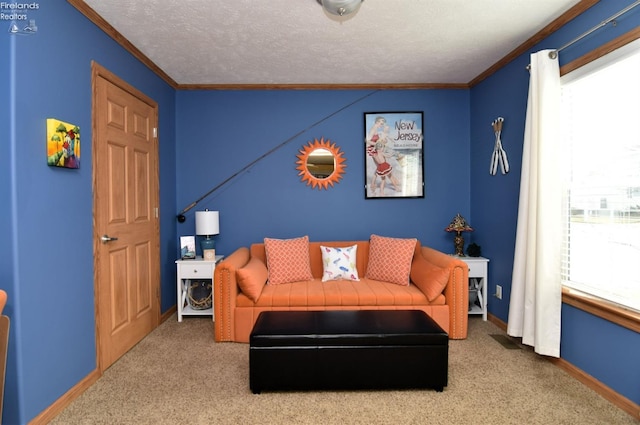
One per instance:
(536, 292)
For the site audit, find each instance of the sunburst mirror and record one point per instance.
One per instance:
(321, 163)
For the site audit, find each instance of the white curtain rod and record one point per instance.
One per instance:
(554, 54)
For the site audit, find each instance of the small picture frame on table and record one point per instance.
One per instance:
(187, 247)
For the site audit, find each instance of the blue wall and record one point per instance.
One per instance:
(592, 344)
(220, 132)
(47, 262)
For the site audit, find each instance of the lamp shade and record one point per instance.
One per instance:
(458, 224)
(207, 223)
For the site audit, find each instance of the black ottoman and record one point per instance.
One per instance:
(362, 349)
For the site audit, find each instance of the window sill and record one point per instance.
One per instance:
(598, 307)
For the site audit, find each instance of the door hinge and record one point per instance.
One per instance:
(155, 132)
(155, 211)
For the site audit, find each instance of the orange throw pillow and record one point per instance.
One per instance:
(252, 278)
(430, 278)
(390, 259)
(288, 260)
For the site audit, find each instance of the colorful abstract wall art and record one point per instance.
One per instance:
(63, 144)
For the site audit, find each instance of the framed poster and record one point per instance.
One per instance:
(393, 155)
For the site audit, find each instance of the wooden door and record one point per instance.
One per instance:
(126, 228)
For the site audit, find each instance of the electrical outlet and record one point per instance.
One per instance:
(499, 292)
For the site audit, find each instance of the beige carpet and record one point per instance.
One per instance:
(179, 375)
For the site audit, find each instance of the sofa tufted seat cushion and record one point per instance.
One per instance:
(316, 293)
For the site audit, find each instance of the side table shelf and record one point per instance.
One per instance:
(478, 281)
(186, 271)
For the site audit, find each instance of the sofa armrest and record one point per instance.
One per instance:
(456, 292)
(226, 292)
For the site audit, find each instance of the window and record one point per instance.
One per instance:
(601, 125)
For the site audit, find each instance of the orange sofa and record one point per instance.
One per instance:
(235, 312)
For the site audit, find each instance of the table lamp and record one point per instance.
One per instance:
(207, 224)
(459, 225)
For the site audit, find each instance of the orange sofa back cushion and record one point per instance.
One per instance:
(315, 254)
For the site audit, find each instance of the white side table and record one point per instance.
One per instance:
(188, 270)
(478, 281)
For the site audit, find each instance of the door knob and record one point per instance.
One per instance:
(106, 238)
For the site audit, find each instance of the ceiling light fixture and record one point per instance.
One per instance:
(340, 7)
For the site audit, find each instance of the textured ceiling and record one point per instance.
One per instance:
(295, 42)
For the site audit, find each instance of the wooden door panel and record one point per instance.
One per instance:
(115, 115)
(142, 208)
(126, 195)
(117, 178)
(143, 282)
(141, 126)
(118, 293)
